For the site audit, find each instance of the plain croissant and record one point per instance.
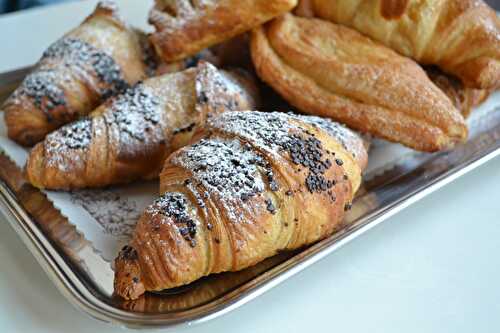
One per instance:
(333, 71)
(251, 185)
(129, 136)
(96, 60)
(462, 37)
(185, 27)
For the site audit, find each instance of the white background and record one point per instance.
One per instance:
(432, 268)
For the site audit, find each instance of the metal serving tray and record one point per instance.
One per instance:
(84, 277)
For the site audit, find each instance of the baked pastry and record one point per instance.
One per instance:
(464, 98)
(333, 71)
(185, 27)
(462, 37)
(129, 137)
(96, 60)
(252, 184)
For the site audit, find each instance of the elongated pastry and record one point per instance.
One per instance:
(330, 70)
(464, 98)
(129, 137)
(254, 184)
(96, 60)
(462, 37)
(185, 27)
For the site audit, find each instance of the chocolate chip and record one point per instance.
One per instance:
(270, 206)
(174, 205)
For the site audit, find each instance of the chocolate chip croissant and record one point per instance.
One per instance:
(185, 27)
(129, 137)
(462, 37)
(330, 70)
(96, 60)
(252, 184)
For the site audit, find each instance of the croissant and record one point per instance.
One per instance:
(129, 137)
(464, 98)
(462, 37)
(184, 27)
(330, 70)
(96, 60)
(253, 184)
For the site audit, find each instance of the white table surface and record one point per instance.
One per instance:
(432, 268)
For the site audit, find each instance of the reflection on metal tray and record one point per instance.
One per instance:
(84, 277)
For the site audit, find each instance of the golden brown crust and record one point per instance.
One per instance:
(464, 98)
(201, 292)
(462, 37)
(130, 136)
(255, 184)
(90, 63)
(333, 71)
(184, 27)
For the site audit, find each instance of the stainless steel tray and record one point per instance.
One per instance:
(80, 273)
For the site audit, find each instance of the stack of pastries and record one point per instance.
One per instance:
(108, 104)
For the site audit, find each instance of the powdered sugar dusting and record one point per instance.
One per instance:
(349, 140)
(80, 55)
(74, 136)
(136, 112)
(267, 130)
(225, 167)
(271, 129)
(41, 87)
(276, 132)
(218, 91)
(63, 62)
(175, 205)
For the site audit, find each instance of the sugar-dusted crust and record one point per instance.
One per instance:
(96, 60)
(129, 137)
(185, 27)
(254, 184)
(333, 71)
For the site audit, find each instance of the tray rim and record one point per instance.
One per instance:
(72, 287)
(68, 283)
